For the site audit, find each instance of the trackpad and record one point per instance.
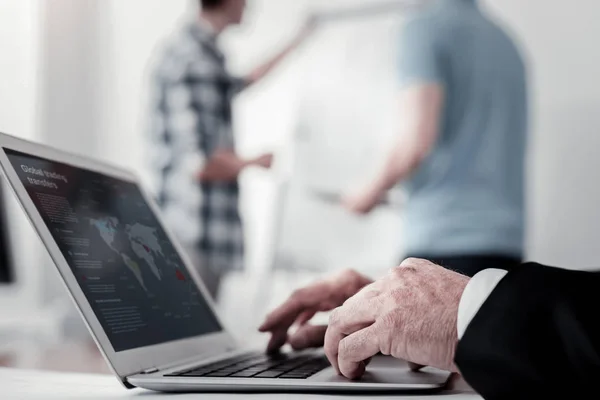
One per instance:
(388, 370)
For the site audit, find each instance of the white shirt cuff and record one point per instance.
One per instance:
(475, 294)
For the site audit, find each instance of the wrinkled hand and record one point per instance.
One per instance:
(362, 203)
(410, 314)
(304, 304)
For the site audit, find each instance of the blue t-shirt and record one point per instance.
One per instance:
(467, 197)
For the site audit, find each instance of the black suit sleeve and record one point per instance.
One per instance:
(538, 334)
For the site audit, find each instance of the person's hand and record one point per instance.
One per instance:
(362, 203)
(309, 27)
(223, 165)
(410, 314)
(304, 304)
(264, 161)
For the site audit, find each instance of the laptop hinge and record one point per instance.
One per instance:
(149, 371)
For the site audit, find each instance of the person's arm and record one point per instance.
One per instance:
(421, 79)
(536, 334)
(421, 108)
(183, 120)
(192, 119)
(265, 69)
(226, 166)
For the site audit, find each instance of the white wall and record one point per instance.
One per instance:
(19, 68)
(136, 31)
(562, 41)
(344, 118)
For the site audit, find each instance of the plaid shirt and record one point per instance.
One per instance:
(192, 105)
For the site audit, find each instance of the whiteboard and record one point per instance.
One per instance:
(345, 120)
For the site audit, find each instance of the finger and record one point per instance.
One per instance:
(355, 349)
(331, 345)
(286, 314)
(356, 315)
(415, 367)
(308, 336)
(278, 339)
(305, 317)
(455, 382)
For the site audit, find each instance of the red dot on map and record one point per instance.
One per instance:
(179, 275)
(146, 248)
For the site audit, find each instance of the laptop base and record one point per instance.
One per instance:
(384, 375)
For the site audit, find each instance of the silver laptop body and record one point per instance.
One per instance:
(143, 303)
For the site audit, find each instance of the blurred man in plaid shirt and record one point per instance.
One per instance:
(193, 142)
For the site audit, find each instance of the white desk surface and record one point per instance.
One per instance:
(33, 385)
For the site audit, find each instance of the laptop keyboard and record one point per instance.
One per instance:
(261, 366)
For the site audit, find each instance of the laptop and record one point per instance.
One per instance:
(141, 299)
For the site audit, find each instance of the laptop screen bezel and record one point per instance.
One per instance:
(128, 362)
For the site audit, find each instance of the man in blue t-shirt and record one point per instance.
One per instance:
(461, 152)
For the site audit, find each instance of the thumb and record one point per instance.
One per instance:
(308, 336)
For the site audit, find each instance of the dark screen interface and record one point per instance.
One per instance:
(129, 271)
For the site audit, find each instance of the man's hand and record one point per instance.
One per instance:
(410, 314)
(362, 203)
(310, 26)
(223, 166)
(304, 304)
(264, 161)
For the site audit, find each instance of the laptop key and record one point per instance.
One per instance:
(230, 370)
(218, 374)
(282, 368)
(268, 374)
(245, 374)
(255, 368)
(239, 363)
(248, 364)
(195, 374)
(262, 366)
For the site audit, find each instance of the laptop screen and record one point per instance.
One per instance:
(129, 271)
